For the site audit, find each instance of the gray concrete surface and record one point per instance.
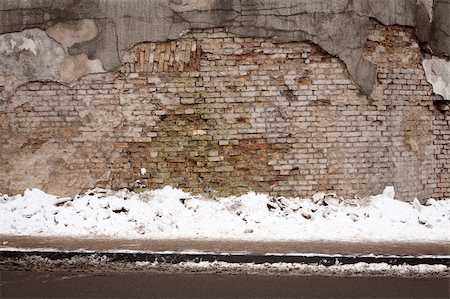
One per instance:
(20, 284)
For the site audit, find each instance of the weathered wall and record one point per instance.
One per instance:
(340, 27)
(343, 95)
(216, 111)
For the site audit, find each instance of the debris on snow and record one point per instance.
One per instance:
(171, 213)
(318, 197)
(417, 204)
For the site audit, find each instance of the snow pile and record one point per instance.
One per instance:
(358, 269)
(172, 213)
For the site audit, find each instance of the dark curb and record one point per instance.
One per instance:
(175, 258)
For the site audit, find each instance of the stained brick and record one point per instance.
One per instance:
(201, 113)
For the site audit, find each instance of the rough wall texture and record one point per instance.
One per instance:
(288, 97)
(101, 29)
(213, 110)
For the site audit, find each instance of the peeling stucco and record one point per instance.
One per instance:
(33, 55)
(77, 66)
(188, 5)
(68, 34)
(338, 26)
(437, 72)
(29, 55)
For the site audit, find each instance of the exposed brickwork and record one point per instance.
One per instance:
(213, 111)
(441, 129)
(181, 55)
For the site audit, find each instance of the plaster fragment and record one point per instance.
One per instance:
(32, 55)
(437, 71)
(29, 55)
(28, 45)
(68, 34)
(188, 5)
(4, 49)
(74, 67)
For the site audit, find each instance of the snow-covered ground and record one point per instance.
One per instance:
(171, 213)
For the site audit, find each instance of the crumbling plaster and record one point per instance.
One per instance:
(437, 71)
(38, 55)
(338, 26)
(68, 34)
(26, 56)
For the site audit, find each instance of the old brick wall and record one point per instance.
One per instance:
(441, 129)
(212, 111)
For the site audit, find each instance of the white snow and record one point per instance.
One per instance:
(358, 269)
(170, 213)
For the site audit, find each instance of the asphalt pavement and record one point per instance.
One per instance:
(44, 267)
(26, 284)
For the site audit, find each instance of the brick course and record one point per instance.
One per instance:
(217, 112)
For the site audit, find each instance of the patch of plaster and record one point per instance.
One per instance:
(428, 4)
(74, 67)
(188, 5)
(27, 45)
(437, 72)
(68, 34)
(29, 55)
(32, 55)
(17, 43)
